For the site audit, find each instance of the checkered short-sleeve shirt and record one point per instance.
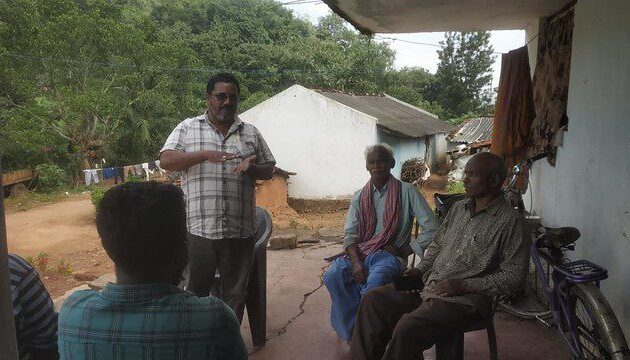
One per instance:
(147, 321)
(219, 203)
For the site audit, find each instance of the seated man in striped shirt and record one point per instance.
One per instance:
(33, 312)
(145, 315)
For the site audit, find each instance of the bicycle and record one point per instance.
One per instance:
(571, 294)
(531, 301)
(580, 311)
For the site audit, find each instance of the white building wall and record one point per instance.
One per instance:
(590, 186)
(319, 139)
(436, 151)
(404, 149)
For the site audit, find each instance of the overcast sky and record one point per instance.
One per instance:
(422, 55)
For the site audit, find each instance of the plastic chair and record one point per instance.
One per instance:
(454, 349)
(256, 303)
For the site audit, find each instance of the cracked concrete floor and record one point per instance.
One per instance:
(298, 311)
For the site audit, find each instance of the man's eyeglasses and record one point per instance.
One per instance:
(223, 96)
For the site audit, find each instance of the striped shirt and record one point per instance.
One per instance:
(219, 203)
(486, 249)
(147, 321)
(33, 310)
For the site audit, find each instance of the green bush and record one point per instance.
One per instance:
(134, 178)
(97, 195)
(50, 177)
(456, 187)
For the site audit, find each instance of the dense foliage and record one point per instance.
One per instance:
(50, 177)
(83, 80)
(464, 75)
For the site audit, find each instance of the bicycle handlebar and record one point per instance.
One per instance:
(516, 170)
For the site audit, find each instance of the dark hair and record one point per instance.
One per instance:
(222, 77)
(143, 228)
(495, 163)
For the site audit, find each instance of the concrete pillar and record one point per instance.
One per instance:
(8, 341)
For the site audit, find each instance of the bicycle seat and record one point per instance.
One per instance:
(557, 237)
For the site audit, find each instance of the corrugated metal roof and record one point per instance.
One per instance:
(474, 131)
(392, 114)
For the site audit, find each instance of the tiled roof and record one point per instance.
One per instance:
(392, 114)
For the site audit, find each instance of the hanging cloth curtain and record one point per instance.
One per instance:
(514, 110)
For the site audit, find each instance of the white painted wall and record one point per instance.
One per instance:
(437, 150)
(404, 149)
(532, 42)
(320, 139)
(590, 186)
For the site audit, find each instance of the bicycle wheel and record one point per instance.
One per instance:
(531, 301)
(595, 325)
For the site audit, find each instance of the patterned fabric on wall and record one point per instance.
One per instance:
(551, 84)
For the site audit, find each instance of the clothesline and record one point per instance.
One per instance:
(122, 172)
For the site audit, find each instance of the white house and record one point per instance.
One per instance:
(322, 136)
(588, 188)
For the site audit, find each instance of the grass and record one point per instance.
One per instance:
(64, 268)
(455, 187)
(32, 199)
(41, 262)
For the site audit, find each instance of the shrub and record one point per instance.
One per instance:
(50, 177)
(64, 268)
(456, 187)
(134, 178)
(39, 262)
(97, 195)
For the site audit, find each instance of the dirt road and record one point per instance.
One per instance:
(56, 228)
(64, 231)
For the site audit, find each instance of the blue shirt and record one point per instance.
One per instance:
(148, 321)
(33, 310)
(413, 205)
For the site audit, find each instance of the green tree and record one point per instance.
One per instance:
(464, 75)
(91, 79)
(411, 85)
(359, 64)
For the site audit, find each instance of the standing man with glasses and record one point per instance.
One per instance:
(220, 158)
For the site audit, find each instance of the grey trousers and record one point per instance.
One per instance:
(231, 257)
(407, 324)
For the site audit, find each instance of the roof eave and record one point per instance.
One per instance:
(332, 4)
(403, 135)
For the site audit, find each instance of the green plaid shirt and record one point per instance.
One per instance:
(149, 321)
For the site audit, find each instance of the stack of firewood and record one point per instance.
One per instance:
(413, 170)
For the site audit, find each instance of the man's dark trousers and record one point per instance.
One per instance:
(232, 257)
(408, 324)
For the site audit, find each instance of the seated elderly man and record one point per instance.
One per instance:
(479, 251)
(377, 237)
(145, 315)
